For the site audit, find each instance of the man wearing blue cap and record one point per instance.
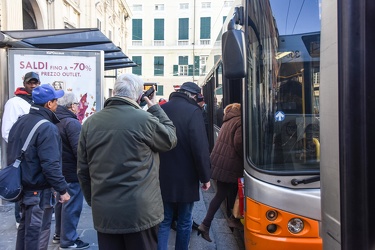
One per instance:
(41, 168)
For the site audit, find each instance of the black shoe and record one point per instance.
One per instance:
(195, 226)
(205, 232)
(56, 239)
(78, 244)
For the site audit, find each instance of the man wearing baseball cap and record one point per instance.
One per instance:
(41, 168)
(19, 104)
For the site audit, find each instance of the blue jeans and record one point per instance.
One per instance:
(67, 215)
(184, 223)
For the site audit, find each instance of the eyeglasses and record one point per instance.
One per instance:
(76, 103)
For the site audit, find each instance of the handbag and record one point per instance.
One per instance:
(10, 177)
(238, 206)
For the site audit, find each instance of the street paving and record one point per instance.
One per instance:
(222, 237)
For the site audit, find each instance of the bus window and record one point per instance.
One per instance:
(283, 97)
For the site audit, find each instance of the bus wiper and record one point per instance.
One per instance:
(295, 182)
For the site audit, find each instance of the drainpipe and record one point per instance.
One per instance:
(194, 42)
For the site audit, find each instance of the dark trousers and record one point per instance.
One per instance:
(223, 190)
(34, 230)
(17, 211)
(143, 240)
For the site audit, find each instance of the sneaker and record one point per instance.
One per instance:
(56, 239)
(78, 244)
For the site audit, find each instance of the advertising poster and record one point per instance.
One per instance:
(80, 72)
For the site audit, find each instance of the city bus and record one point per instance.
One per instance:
(305, 85)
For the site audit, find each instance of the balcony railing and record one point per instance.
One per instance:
(205, 41)
(183, 42)
(137, 42)
(158, 42)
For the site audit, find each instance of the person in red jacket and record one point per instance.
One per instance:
(226, 163)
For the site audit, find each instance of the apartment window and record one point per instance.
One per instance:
(137, 70)
(184, 6)
(205, 35)
(203, 64)
(183, 28)
(110, 34)
(205, 27)
(160, 90)
(137, 7)
(183, 60)
(158, 29)
(137, 29)
(195, 69)
(206, 5)
(159, 7)
(182, 68)
(159, 66)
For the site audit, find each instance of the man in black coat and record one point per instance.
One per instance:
(182, 168)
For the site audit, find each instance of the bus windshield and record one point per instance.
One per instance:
(283, 78)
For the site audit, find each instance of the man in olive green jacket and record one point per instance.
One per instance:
(118, 167)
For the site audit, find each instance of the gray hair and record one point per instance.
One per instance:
(67, 100)
(190, 95)
(128, 85)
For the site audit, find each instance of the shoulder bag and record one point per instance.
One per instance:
(10, 177)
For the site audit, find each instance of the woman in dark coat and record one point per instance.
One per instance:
(226, 163)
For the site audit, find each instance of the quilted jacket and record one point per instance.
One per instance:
(227, 154)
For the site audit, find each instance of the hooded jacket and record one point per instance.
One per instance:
(227, 154)
(14, 108)
(41, 166)
(69, 129)
(118, 165)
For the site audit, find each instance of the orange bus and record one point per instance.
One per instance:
(302, 71)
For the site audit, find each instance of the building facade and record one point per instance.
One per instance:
(110, 16)
(171, 40)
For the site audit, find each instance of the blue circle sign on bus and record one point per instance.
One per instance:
(279, 116)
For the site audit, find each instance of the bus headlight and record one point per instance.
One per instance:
(295, 225)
